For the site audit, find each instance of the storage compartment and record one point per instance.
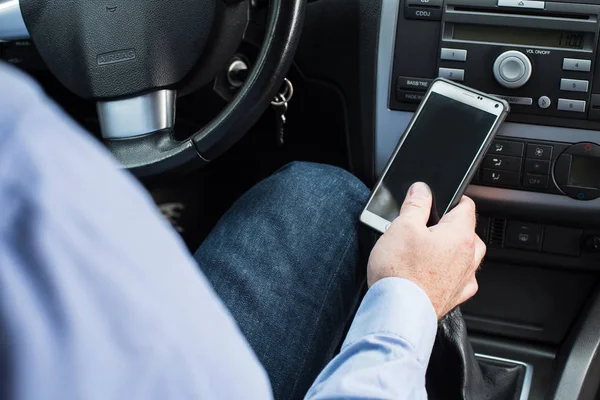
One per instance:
(527, 302)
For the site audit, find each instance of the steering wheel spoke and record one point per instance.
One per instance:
(137, 116)
(12, 26)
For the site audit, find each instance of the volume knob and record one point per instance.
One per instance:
(512, 69)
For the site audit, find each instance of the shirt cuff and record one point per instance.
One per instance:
(395, 306)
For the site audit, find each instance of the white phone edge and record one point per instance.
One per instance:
(374, 221)
(458, 92)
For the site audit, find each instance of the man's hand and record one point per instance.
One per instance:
(442, 259)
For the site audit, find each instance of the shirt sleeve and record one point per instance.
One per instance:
(387, 349)
(99, 298)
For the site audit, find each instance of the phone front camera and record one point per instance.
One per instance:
(497, 105)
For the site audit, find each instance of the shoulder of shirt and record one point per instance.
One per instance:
(19, 89)
(40, 147)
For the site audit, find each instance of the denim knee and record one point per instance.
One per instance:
(286, 261)
(319, 185)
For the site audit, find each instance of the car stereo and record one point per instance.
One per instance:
(538, 55)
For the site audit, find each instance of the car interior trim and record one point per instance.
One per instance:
(389, 124)
(577, 379)
(12, 26)
(136, 116)
(528, 372)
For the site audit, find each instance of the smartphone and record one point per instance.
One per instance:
(443, 146)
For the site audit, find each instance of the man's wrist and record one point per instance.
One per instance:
(399, 307)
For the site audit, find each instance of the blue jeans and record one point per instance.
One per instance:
(285, 260)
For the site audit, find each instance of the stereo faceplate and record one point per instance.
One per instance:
(540, 59)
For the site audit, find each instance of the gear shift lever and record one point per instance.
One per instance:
(455, 373)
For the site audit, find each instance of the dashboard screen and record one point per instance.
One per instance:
(439, 149)
(520, 36)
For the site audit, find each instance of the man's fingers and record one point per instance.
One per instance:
(463, 214)
(417, 204)
(480, 249)
(469, 290)
(472, 286)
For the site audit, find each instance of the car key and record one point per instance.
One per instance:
(280, 106)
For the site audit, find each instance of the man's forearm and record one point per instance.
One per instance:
(386, 352)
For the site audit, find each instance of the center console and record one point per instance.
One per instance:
(538, 188)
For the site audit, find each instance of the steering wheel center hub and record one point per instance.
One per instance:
(117, 48)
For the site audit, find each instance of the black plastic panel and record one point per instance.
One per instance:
(526, 302)
(339, 45)
(579, 357)
(416, 51)
(533, 243)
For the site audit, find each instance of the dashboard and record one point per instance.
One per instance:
(539, 56)
(538, 188)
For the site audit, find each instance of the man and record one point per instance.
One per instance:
(99, 298)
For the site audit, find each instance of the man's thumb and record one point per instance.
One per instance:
(417, 205)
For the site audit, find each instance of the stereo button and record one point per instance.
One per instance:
(537, 5)
(571, 105)
(524, 235)
(502, 162)
(539, 152)
(574, 85)
(454, 55)
(574, 64)
(539, 167)
(535, 181)
(512, 69)
(544, 102)
(409, 97)
(500, 178)
(429, 13)
(452, 74)
(518, 101)
(405, 82)
(504, 148)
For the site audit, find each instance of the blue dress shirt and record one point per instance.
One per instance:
(100, 299)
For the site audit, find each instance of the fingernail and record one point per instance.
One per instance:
(419, 189)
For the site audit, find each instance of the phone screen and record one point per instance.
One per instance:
(439, 149)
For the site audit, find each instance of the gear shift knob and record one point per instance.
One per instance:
(454, 372)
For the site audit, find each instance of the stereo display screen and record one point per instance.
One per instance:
(520, 36)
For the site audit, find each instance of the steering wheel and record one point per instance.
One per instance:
(132, 56)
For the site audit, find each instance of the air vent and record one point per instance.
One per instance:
(497, 229)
